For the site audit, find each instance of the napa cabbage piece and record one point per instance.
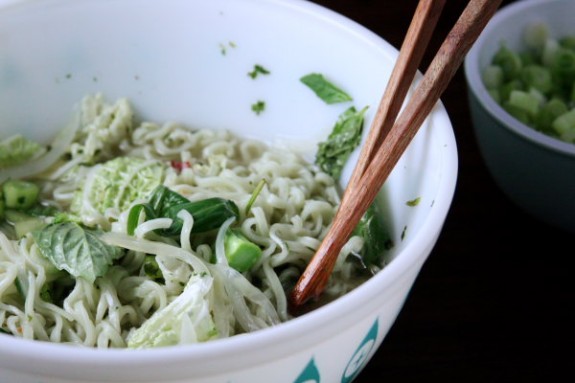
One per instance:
(104, 126)
(187, 319)
(44, 158)
(117, 184)
(17, 149)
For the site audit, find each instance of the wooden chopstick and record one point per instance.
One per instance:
(413, 47)
(386, 153)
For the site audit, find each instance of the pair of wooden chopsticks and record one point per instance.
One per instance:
(389, 137)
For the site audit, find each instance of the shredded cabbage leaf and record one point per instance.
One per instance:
(187, 319)
(117, 184)
(16, 149)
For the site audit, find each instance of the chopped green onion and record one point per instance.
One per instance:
(567, 42)
(564, 125)
(550, 52)
(548, 113)
(509, 61)
(536, 35)
(538, 77)
(524, 101)
(563, 71)
(536, 85)
(152, 269)
(492, 76)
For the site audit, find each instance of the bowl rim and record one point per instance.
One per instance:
(411, 256)
(475, 84)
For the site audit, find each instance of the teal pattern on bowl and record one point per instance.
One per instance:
(364, 351)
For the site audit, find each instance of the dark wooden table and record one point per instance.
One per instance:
(495, 300)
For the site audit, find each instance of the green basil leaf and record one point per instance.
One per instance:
(331, 158)
(163, 198)
(324, 89)
(258, 69)
(376, 236)
(76, 249)
(209, 213)
(152, 269)
(344, 138)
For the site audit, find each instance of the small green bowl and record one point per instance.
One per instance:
(534, 170)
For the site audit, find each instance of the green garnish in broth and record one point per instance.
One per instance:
(333, 153)
(258, 107)
(258, 70)
(325, 89)
(331, 157)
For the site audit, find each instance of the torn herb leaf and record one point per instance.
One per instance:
(376, 238)
(224, 47)
(325, 89)
(152, 269)
(258, 69)
(76, 249)
(331, 158)
(413, 202)
(208, 213)
(259, 107)
(342, 141)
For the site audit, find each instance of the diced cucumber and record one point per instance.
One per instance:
(536, 35)
(548, 113)
(492, 77)
(509, 61)
(538, 77)
(524, 101)
(27, 226)
(536, 84)
(241, 253)
(14, 216)
(20, 194)
(564, 125)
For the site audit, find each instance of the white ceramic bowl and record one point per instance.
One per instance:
(168, 58)
(534, 170)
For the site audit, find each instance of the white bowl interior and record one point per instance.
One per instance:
(188, 61)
